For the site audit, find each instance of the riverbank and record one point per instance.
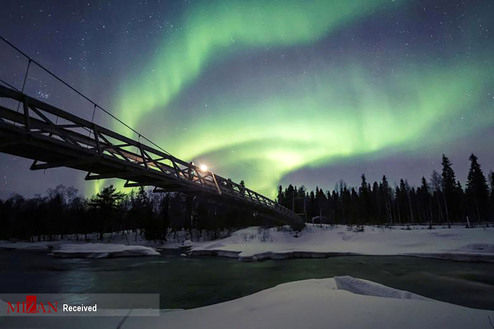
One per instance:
(319, 241)
(314, 241)
(68, 249)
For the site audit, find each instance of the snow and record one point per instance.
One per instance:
(22, 245)
(322, 303)
(369, 288)
(340, 302)
(255, 243)
(82, 249)
(101, 250)
(174, 239)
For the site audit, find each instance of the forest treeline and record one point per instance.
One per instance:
(440, 199)
(152, 215)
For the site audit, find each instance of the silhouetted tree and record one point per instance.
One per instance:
(449, 189)
(62, 211)
(105, 205)
(425, 201)
(477, 190)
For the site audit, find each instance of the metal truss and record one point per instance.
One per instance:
(56, 138)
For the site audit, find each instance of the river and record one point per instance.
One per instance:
(188, 282)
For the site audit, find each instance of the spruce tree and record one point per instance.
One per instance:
(364, 197)
(491, 182)
(437, 195)
(425, 200)
(449, 189)
(477, 190)
(280, 195)
(386, 195)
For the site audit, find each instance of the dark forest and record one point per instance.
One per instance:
(441, 199)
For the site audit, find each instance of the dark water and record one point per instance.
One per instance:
(185, 282)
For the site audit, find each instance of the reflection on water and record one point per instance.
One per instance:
(191, 282)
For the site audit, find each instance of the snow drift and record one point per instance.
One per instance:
(341, 302)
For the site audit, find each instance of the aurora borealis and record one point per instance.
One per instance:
(210, 29)
(285, 91)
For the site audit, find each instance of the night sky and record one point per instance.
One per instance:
(303, 92)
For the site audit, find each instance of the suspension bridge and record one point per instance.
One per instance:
(54, 137)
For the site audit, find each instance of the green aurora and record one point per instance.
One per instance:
(217, 27)
(272, 121)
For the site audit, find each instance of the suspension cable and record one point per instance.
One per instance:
(31, 60)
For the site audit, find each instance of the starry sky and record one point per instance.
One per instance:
(302, 92)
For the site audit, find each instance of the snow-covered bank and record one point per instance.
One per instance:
(340, 302)
(82, 249)
(24, 245)
(175, 240)
(255, 243)
(102, 250)
(315, 241)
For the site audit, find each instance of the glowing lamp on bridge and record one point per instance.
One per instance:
(203, 167)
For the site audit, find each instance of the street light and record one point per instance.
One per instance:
(203, 167)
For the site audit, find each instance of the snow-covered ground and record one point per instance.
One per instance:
(255, 243)
(173, 240)
(340, 302)
(125, 243)
(117, 244)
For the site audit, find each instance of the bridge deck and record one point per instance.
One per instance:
(56, 138)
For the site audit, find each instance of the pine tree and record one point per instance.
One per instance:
(108, 198)
(449, 189)
(376, 202)
(105, 203)
(281, 199)
(477, 190)
(322, 203)
(290, 197)
(437, 194)
(386, 196)
(405, 201)
(491, 196)
(424, 196)
(365, 199)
